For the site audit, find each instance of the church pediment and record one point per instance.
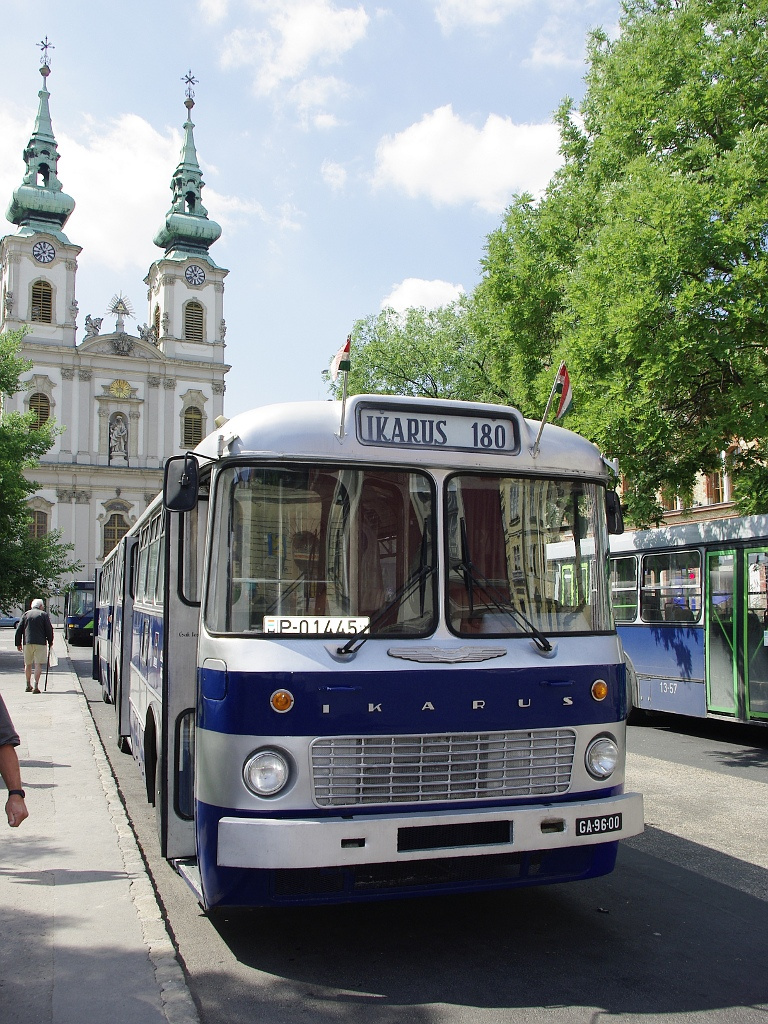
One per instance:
(121, 344)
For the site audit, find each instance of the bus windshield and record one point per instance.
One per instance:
(81, 602)
(526, 556)
(307, 544)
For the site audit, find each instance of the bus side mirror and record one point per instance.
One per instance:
(180, 483)
(613, 512)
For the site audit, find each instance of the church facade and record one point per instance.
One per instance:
(124, 403)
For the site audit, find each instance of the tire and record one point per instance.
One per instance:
(123, 742)
(635, 714)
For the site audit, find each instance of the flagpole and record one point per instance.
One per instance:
(343, 404)
(535, 447)
(342, 364)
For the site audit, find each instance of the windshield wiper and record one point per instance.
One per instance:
(473, 578)
(419, 577)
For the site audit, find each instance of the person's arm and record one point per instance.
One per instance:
(15, 808)
(19, 633)
(49, 629)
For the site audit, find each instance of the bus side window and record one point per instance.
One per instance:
(193, 545)
(671, 589)
(624, 588)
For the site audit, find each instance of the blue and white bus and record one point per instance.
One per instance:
(691, 607)
(375, 662)
(78, 612)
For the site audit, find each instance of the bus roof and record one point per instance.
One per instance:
(710, 531)
(396, 429)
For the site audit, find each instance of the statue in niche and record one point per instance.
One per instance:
(118, 438)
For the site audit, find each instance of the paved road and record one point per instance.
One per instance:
(677, 934)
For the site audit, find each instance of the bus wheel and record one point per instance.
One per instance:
(635, 714)
(123, 743)
(150, 761)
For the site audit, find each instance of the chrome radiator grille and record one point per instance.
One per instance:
(352, 770)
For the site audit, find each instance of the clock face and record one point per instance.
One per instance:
(43, 252)
(195, 274)
(120, 388)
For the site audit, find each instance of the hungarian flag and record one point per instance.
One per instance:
(341, 361)
(563, 388)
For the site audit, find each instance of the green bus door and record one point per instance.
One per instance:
(737, 633)
(756, 632)
(721, 636)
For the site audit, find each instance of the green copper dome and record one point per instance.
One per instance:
(39, 202)
(187, 229)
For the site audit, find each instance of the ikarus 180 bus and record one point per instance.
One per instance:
(375, 660)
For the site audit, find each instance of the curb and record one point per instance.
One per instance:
(176, 1001)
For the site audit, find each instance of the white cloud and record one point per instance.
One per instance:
(450, 162)
(557, 45)
(312, 97)
(15, 130)
(298, 35)
(115, 220)
(415, 293)
(213, 10)
(451, 14)
(334, 175)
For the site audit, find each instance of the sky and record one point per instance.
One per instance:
(356, 154)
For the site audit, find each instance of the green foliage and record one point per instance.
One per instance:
(429, 353)
(644, 265)
(29, 567)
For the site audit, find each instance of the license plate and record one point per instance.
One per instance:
(598, 825)
(323, 625)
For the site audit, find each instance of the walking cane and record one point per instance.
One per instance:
(47, 666)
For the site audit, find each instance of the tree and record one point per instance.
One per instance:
(429, 353)
(29, 566)
(644, 264)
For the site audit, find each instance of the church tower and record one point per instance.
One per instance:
(186, 287)
(125, 402)
(38, 263)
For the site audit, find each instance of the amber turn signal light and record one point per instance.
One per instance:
(281, 700)
(599, 689)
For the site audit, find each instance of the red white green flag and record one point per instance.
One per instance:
(341, 361)
(563, 388)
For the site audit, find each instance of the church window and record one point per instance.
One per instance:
(115, 529)
(39, 524)
(156, 321)
(193, 428)
(42, 302)
(40, 405)
(193, 321)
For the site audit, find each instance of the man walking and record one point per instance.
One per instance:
(36, 631)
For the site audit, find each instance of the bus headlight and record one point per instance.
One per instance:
(601, 757)
(266, 772)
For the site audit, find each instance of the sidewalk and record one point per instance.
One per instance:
(82, 935)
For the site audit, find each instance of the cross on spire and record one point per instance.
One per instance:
(190, 79)
(45, 46)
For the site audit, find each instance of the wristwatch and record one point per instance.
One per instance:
(17, 792)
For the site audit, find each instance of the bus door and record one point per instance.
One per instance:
(122, 620)
(721, 639)
(96, 615)
(755, 605)
(185, 535)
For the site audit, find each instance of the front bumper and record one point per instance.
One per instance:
(279, 843)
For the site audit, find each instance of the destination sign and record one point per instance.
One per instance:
(394, 428)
